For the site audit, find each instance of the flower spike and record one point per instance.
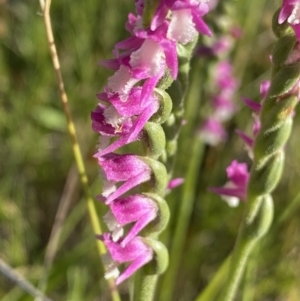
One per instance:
(133, 108)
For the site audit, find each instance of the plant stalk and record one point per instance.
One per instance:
(45, 6)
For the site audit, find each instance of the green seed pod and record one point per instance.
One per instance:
(283, 49)
(265, 174)
(280, 29)
(166, 81)
(162, 219)
(154, 138)
(284, 80)
(272, 139)
(160, 261)
(165, 106)
(159, 179)
(258, 227)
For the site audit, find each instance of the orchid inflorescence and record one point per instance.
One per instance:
(223, 85)
(133, 106)
(238, 175)
(223, 108)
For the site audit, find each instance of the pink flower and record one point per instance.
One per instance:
(223, 107)
(123, 119)
(220, 47)
(235, 189)
(224, 78)
(139, 6)
(137, 209)
(155, 46)
(247, 140)
(137, 252)
(255, 107)
(225, 85)
(264, 88)
(182, 19)
(175, 183)
(127, 168)
(126, 105)
(212, 132)
(149, 58)
(183, 12)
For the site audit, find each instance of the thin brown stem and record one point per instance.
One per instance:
(45, 6)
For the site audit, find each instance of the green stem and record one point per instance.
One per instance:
(275, 127)
(185, 210)
(146, 279)
(250, 273)
(252, 229)
(145, 289)
(177, 92)
(75, 146)
(214, 286)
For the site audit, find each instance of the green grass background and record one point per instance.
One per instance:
(37, 169)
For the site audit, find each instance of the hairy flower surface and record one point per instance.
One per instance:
(137, 209)
(128, 168)
(123, 119)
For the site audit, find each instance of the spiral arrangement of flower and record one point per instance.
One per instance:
(133, 107)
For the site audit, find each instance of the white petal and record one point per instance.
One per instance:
(117, 233)
(294, 18)
(108, 188)
(232, 201)
(113, 118)
(110, 266)
(181, 28)
(150, 57)
(110, 221)
(122, 82)
(112, 273)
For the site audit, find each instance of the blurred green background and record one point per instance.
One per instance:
(37, 171)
